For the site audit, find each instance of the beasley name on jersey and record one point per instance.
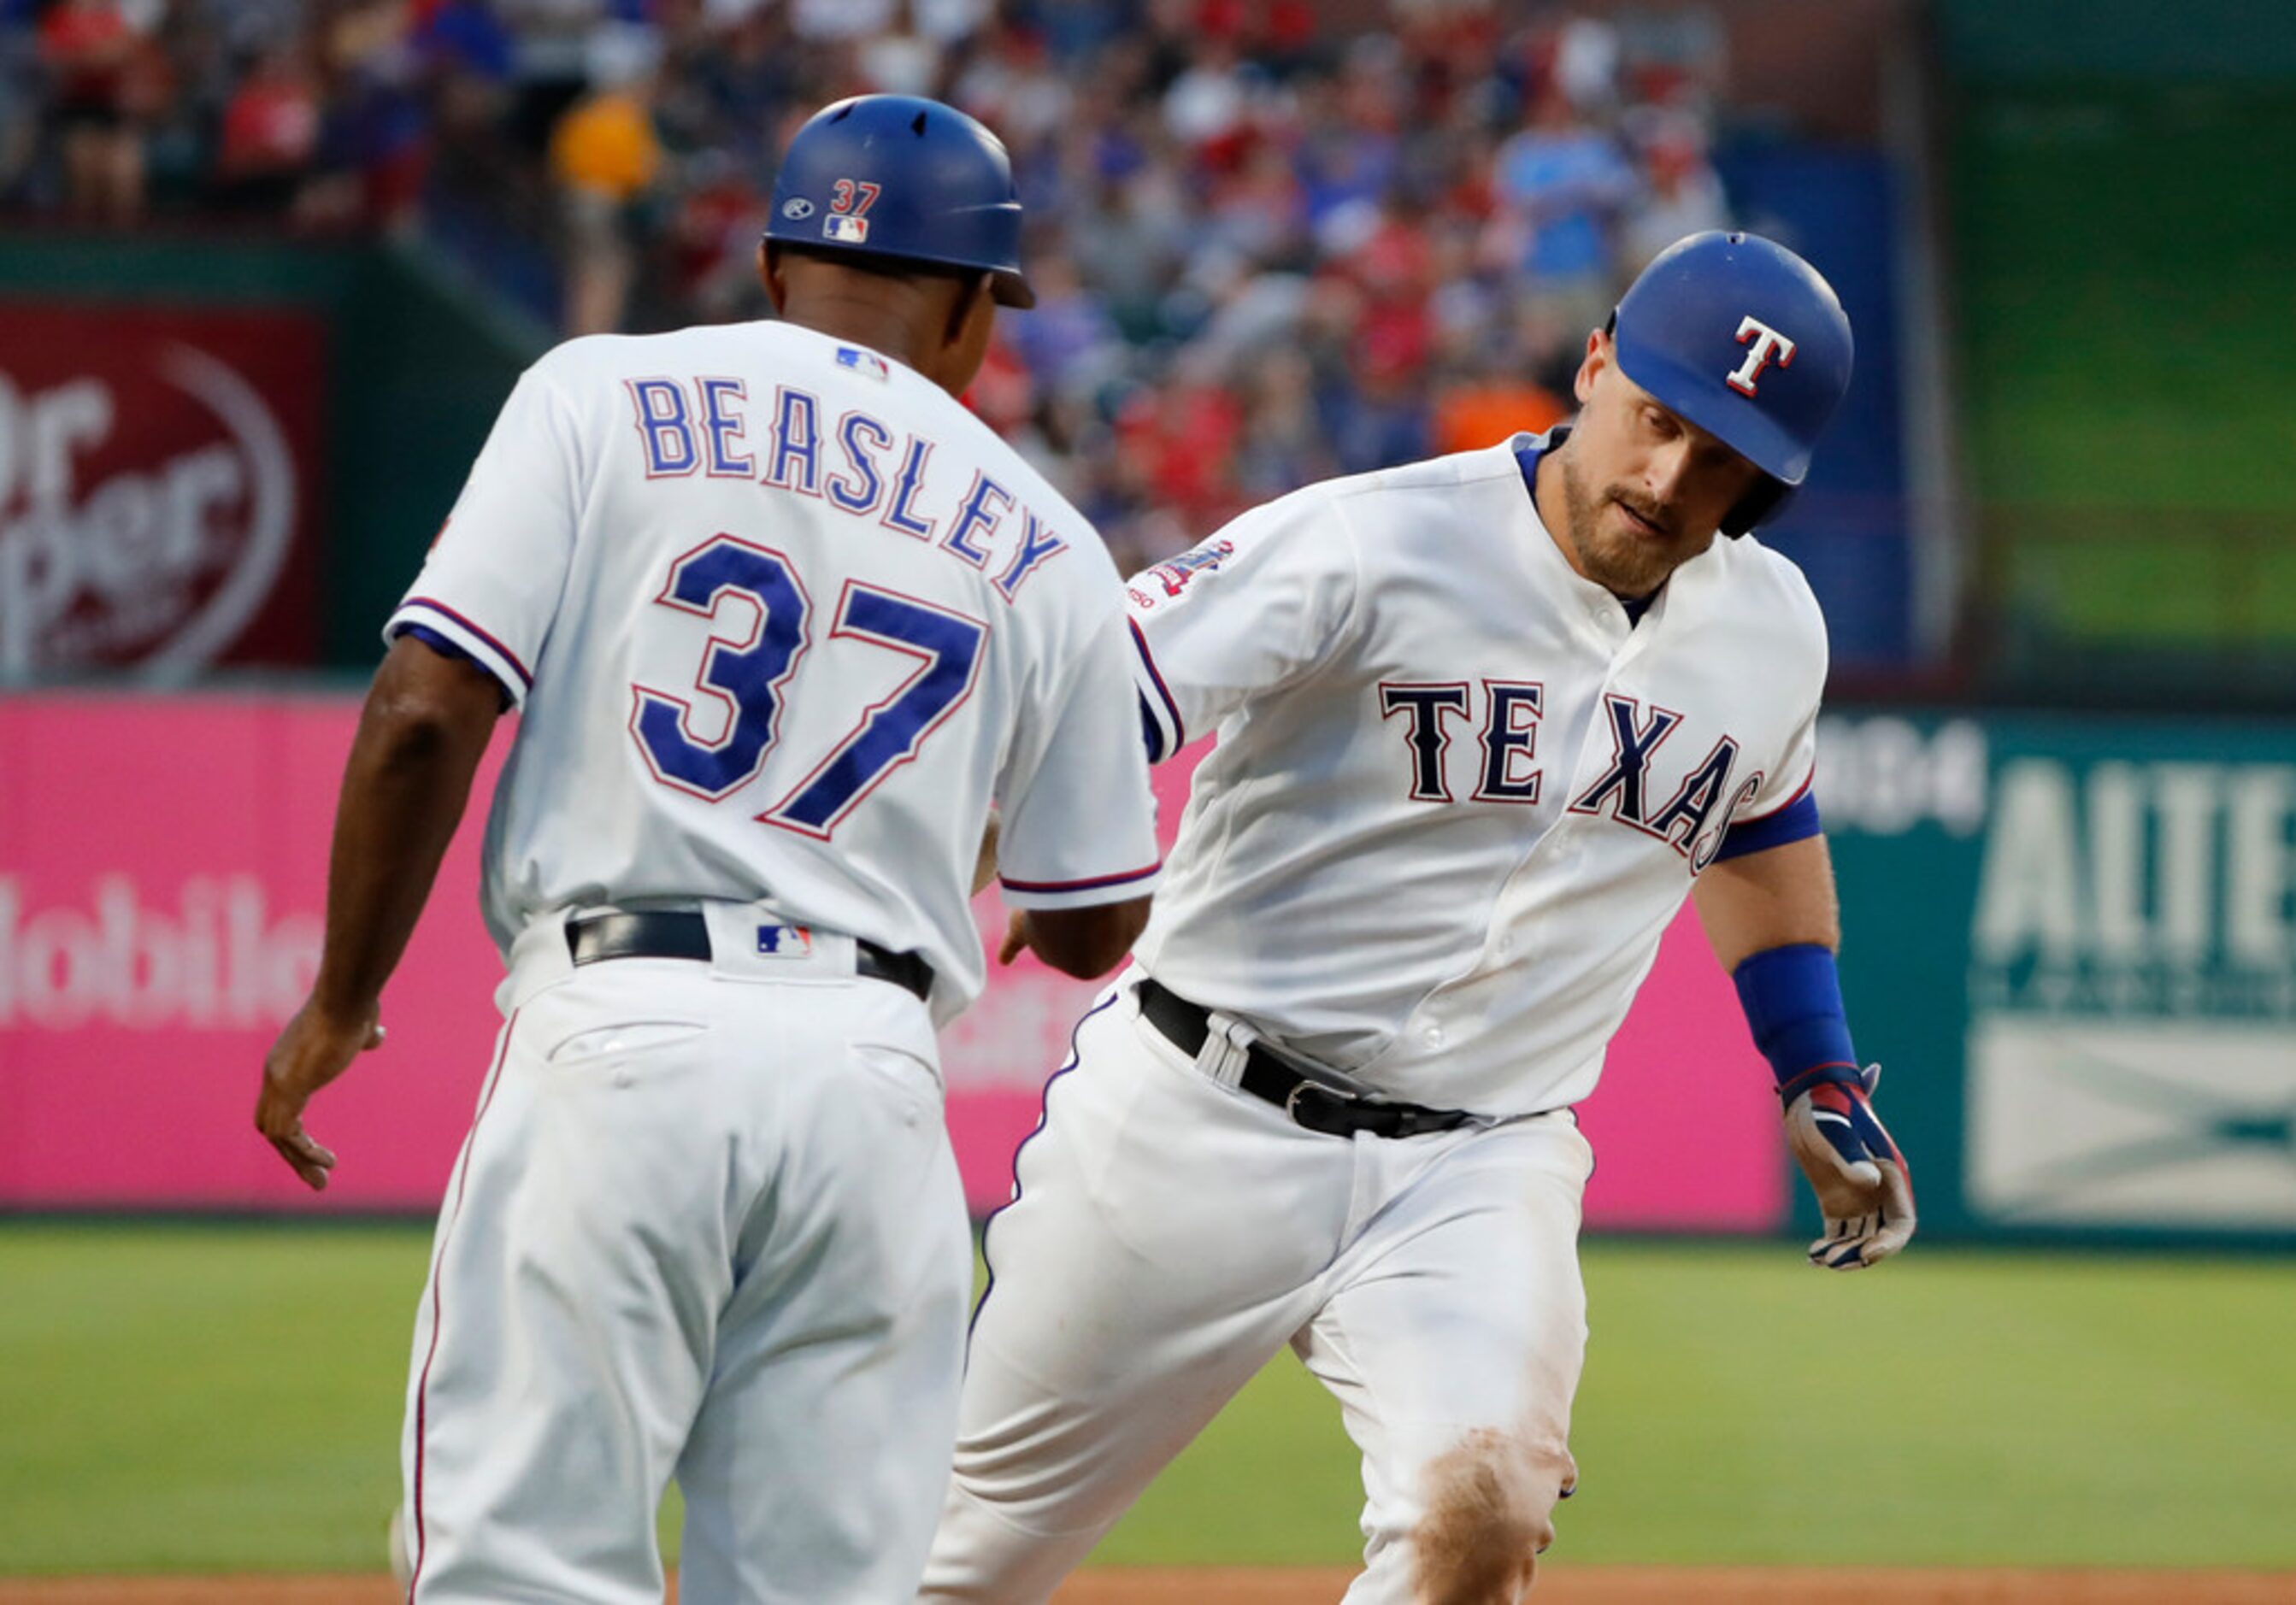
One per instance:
(1457, 794)
(784, 619)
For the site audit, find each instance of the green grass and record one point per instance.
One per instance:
(201, 1398)
(180, 1397)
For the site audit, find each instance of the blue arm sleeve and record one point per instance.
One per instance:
(1792, 1000)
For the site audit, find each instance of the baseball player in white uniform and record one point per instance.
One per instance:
(1483, 722)
(783, 620)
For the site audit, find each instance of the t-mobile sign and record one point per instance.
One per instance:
(161, 899)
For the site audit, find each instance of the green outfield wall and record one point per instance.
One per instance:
(2121, 250)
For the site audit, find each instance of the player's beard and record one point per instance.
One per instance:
(1624, 562)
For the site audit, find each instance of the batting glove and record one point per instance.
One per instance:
(1864, 1187)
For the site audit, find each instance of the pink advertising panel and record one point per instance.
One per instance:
(162, 879)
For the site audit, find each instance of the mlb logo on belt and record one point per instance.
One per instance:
(784, 942)
(846, 230)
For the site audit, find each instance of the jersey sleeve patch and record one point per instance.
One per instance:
(1174, 574)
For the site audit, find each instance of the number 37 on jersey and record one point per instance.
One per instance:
(761, 621)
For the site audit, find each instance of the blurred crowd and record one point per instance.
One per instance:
(1272, 240)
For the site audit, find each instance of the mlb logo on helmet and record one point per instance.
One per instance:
(845, 230)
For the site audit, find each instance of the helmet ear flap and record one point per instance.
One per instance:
(1765, 501)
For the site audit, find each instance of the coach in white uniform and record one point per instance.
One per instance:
(783, 620)
(1483, 722)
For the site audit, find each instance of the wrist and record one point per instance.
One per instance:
(1791, 996)
(340, 1006)
(1818, 1076)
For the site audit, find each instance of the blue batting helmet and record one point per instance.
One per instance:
(908, 179)
(1745, 340)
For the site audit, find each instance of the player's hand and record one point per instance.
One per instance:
(1864, 1187)
(314, 1049)
(1016, 936)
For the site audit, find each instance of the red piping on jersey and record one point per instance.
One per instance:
(1807, 781)
(423, 1384)
(1147, 658)
(1079, 886)
(509, 656)
(1043, 1119)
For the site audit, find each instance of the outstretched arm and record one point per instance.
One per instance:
(1773, 921)
(424, 727)
(1086, 943)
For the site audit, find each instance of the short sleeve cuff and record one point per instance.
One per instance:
(1161, 724)
(1796, 820)
(1080, 894)
(437, 619)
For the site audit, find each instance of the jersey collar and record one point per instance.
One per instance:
(1527, 451)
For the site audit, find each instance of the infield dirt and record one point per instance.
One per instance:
(1175, 1585)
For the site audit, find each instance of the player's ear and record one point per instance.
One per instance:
(1597, 358)
(976, 299)
(769, 274)
(972, 319)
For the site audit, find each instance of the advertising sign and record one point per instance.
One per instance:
(161, 899)
(2081, 935)
(156, 488)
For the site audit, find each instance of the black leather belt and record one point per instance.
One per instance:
(1311, 1103)
(679, 933)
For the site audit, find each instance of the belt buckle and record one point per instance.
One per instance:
(1337, 1094)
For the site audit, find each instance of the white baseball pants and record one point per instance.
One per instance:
(1170, 1234)
(706, 1225)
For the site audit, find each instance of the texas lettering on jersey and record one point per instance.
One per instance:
(1692, 820)
(857, 465)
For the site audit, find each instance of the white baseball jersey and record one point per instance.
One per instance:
(784, 619)
(1457, 795)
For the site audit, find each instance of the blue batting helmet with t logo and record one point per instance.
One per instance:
(903, 178)
(1745, 340)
